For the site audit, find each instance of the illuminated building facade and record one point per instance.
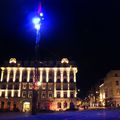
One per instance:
(112, 88)
(56, 80)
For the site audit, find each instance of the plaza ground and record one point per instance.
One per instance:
(71, 115)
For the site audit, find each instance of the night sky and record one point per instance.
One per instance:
(86, 31)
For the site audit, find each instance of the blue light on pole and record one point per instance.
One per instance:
(37, 21)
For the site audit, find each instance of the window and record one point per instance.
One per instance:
(71, 80)
(59, 105)
(72, 86)
(9, 86)
(24, 94)
(58, 73)
(44, 80)
(65, 104)
(58, 87)
(16, 94)
(65, 95)
(43, 95)
(24, 80)
(58, 80)
(3, 86)
(71, 95)
(9, 103)
(11, 80)
(17, 73)
(3, 94)
(24, 85)
(17, 80)
(44, 87)
(117, 82)
(50, 95)
(50, 80)
(65, 86)
(65, 73)
(31, 80)
(30, 94)
(4, 80)
(58, 95)
(30, 85)
(11, 73)
(9, 94)
(16, 86)
(116, 75)
(71, 74)
(65, 80)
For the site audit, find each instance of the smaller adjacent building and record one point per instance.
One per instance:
(112, 88)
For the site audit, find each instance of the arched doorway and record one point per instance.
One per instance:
(26, 106)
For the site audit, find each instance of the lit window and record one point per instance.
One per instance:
(59, 105)
(65, 95)
(50, 95)
(24, 94)
(30, 94)
(58, 95)
(71, 95)
(16, 94)
(43, 86)
(24, 85)
(30, 85)
(43, 95)
(65, 104)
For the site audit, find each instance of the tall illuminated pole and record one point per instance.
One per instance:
(37, 21)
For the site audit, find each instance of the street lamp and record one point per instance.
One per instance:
(37, 21)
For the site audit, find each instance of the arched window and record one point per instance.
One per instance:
(44, 73)
(65, 74)
(71, 74)
(65, 104)
(17, 74)
(11, 73)
(65, 80)
(59, 105)
(58, 73)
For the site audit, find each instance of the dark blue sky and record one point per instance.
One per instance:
(85, 31)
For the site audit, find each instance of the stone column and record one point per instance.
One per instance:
(20, 78)
(2, 73)
(28, 75)
(47, 74)
(68, 80)
(14, 75)
(61, 76)
(55, 79)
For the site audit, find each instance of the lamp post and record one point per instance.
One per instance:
(37, 21)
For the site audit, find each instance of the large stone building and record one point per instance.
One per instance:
(57, 85)
(112, 88)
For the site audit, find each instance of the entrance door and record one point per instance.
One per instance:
(26, 106)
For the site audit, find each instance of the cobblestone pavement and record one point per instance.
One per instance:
(76, 115)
